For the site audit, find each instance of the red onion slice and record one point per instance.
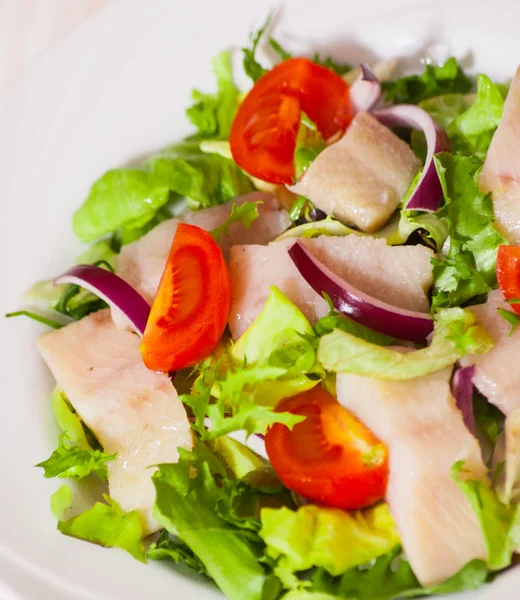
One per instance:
(365, 91)
(375, 314)
(462, 388)
(113, 290)
(428, 191)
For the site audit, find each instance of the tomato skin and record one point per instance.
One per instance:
(192, 305)
(508, 273)
(331, 458)
(263, 133)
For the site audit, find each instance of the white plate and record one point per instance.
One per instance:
(115, 89)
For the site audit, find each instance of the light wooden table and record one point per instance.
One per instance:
(29, 27)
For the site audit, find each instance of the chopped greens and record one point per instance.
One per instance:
(448, 78)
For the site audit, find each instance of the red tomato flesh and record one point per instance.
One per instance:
(192, 305)
(330, 458)
(508, 273)
(263, 133)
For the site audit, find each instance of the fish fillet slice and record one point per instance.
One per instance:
(131, 410)
(501, 172)
(361, 178)
(400, 276)
(426, 436)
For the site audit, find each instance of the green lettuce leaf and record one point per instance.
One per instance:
(433, 230)
(212, 114)
(434, 81)
(70, 462)
(328, 226)
(337, 540)
(340, 68)
(512, 318)
(335, 320)
(468, 268)
(61, 501)
(252, 67)
(470, 133)
(68, 420)
(500, 522)
(391, 577)
(455, 334)
(189, 504)
(107, 525)
(246, 213)
(235, 407)
(169, 547)
(132, 197)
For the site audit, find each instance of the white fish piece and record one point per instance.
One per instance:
(419, 422)
(142, 262)
(501, 172)
(497, 377)
(399, 275)
(496, 373)
(131, 410)
(361, 178)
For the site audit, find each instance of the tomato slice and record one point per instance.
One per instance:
(331, 458)
(263, 133)
(192, 305)
(508, 273)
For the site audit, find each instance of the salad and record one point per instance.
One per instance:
(290, 346)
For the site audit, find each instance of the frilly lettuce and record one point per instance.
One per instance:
(468, 268)
(69, 461)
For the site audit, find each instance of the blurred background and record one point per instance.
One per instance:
(29, 27)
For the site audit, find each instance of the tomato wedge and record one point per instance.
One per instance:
(192, 305)
(263, 133)
(331, 458)
(508, 273)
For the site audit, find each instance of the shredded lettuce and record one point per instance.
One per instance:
(337, 540)
(456, 333)
(448, 78)
(70, 462)
(212, 114)
(246, 213)
(433, 230)
(468, 268)
(107, 525)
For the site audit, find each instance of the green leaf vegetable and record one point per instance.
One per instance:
(107, 525)
(391, 577)
(69, 422)
(468, 268)
(169, 547)
(500, 522)
(252, 67)
(190, 504)
(212, 114)
(131, 197)
(69, 461)
(61, 501)
(455, 334)
(244, 213)
(35, 317)
(448, 78)
(340, 68)
(314, 536)
(512, 318)
(470, 133)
